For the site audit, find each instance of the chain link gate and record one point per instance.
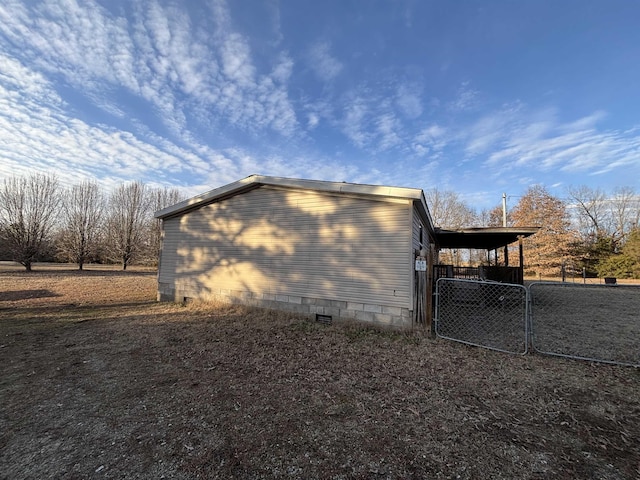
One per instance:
(485, 314)
(588, 322)
(599, 323)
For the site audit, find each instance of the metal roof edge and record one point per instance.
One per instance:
(254, 181)
(206, 197)
(521, 230)
(343, 187)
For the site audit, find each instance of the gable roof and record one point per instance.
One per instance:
(254, 181)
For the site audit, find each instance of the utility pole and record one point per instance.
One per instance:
(504, 209)
(504, 224)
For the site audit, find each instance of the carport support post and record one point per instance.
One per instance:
(521, 252)
(430, 290)
(504, 224)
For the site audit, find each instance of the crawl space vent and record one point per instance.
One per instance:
(325, 319)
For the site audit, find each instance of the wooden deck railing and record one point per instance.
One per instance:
(497, 274)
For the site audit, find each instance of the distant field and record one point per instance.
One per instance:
(56, 267)
(97, 380)
(579, 279)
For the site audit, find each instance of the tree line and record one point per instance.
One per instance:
(42, 221)
(590, 231)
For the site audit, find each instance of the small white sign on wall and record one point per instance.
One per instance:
(421, 265)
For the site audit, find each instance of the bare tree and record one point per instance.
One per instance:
(448, 211)
(160, 198)
(28, 208)
(127, 221)
(592, 214)
(83, 208)
(493, 217)
(625, 213)
(604, 222)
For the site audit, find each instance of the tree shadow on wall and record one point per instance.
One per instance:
(294, 243)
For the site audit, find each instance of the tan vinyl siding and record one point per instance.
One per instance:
(426, 239)
(415, 244)
(415, 232)
(293, 242)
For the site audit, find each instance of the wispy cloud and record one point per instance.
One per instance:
(516, 138)
(188, 92)
(409, 100)
(388, 129)
(161, 54)
(467, 98)
(489, 131)
(355, 121)
(371, 120)
(317, 111)
(326, 66)
(430, 141)
(38, 135)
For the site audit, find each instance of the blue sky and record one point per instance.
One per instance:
(478, 97)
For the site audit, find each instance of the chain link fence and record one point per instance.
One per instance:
(487, 314)
(589, 322)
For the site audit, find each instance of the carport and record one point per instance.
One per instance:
(484, 238)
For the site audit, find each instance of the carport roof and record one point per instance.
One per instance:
(488, 238)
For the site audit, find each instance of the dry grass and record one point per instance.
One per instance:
(589, 321)
(579, 280)
(99, 381)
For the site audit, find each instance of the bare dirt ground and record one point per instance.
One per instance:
(97, 380)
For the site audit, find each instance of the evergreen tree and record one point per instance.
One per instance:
(626, 264)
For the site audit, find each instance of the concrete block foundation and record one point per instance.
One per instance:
(379, 315)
